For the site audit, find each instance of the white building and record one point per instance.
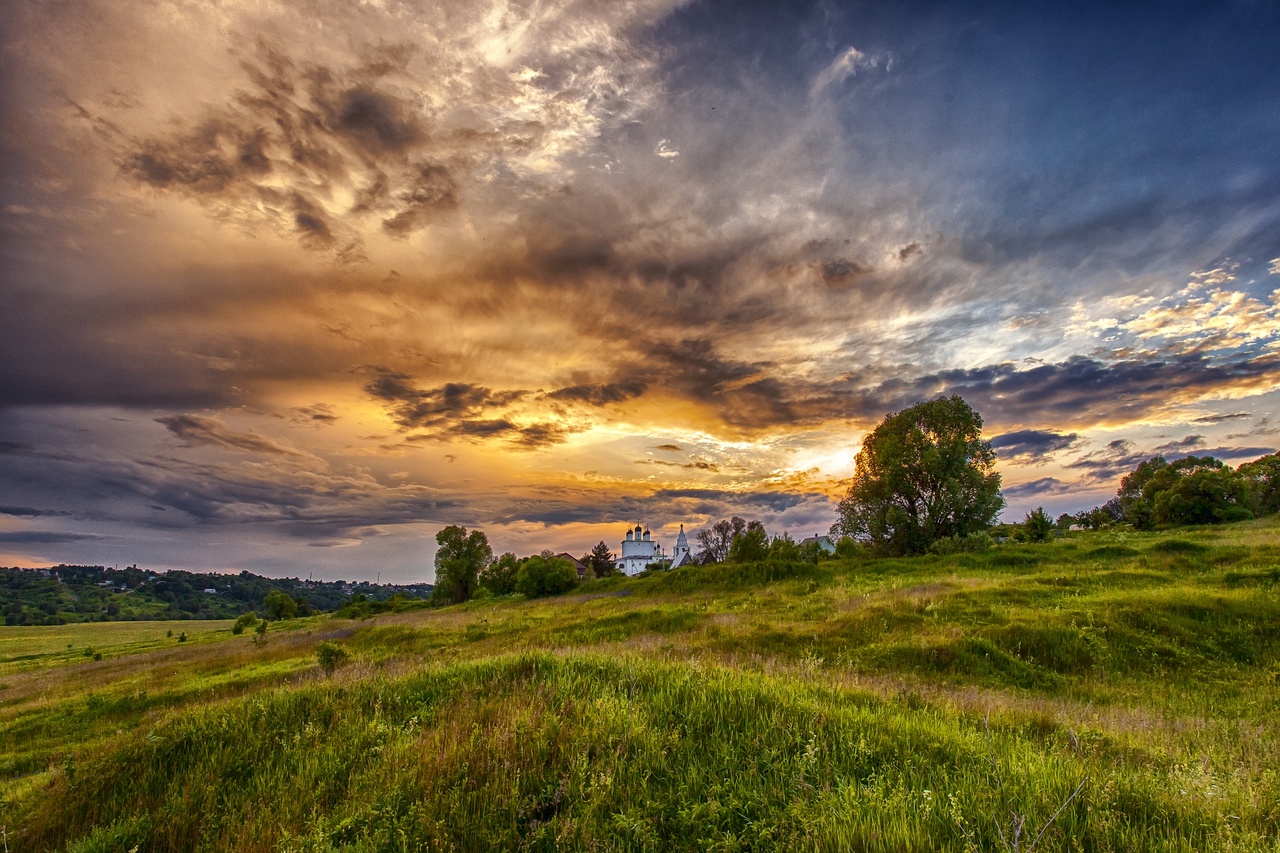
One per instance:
(640, 549)
(680, 555)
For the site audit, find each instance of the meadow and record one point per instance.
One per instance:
(1103, 691)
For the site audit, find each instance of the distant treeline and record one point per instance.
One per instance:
(63, 594)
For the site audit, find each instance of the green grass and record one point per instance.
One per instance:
(838, 707)
(22, 648)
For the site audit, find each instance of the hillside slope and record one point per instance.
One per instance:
(1126, 683)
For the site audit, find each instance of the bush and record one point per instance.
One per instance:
(1037, 526)
(540, 576)
(246, 620)
(331, 656)
(973, 543)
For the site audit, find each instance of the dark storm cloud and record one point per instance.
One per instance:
(1245, 453)
(44, 537)
(1117, 458)
(908, 251)
(1183, 445)
(1217, 419)
(431, 190)
(673, 448)
(602, 395)
(298, 132)
(1043, 486)
(1031, 446)
(1081, 390)
(196, 429)
(842, 272)
(302, 498)
(711, 501)
(690, 466)
(460, 410)
(319, 412)
(665, 506)
(30, 512)
(447, 406)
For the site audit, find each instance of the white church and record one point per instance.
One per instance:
(640, 549)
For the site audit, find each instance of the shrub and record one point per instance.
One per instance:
(330, 656)
(545, 576)
(1037, 526)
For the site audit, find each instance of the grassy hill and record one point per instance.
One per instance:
(1125, 685)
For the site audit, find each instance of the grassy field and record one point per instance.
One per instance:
(24, 648)
(1107, 691)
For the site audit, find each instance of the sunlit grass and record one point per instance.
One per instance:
(712, 708)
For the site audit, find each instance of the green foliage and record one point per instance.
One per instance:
(459, 559)
(1262, 481)
(1036, 527)
(361, 606)
(751, 545)
(499, 577)
(922, 475)
(246, 620)
(600, 562)
(280, 605)
(971, 544)
(330, 656)
(539, 576)
(68, 594)
(1194, 490)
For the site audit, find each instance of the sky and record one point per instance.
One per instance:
(287, 287)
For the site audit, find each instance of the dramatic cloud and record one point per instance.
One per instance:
(1038, 488)
(337, 274)
(1031, 446)
(194, 430)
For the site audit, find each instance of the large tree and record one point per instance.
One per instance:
(459, 559)
(715, 540)
(922, 475)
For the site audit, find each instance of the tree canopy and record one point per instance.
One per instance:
(545, 574)
(459, 559)
(1194, 490)
(922, 475)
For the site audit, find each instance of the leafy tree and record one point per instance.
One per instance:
(459, 559)
(1194, 490)
(600, 562)
(541, 575)
(1036, 527)
(1262, 479)
(922, 475)
(280, 605)
(749, 546)
(784, 549)
(499, 577)
(715, 541)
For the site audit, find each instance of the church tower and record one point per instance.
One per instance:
(680, 554)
